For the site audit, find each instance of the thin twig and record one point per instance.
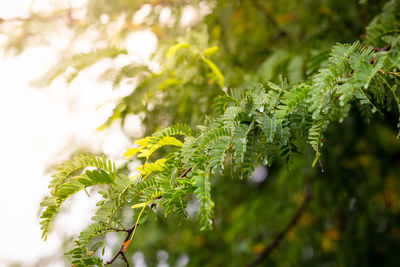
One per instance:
(385, 48)
(377, 49)
(125, 259)
(290, 225)
(185, 173)
(120, 251)
(320, 164)
(116, 230)
(229, 148)
(390, 72)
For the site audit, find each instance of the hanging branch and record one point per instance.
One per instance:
(275, 243)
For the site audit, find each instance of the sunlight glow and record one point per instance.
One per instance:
(44, 126)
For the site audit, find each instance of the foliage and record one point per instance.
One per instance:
(296, 97)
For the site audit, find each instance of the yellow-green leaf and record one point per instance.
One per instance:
(211, 51)
(139, 205)
(161, 161)
(144, 141)
(145, 153)
(169, 140)
(131, 151)
(173, 49)
(148, 168)
(164, 141)
(217, 72)
(167, 83)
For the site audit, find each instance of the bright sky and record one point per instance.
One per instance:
(41, 126)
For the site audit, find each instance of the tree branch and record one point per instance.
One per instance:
(117, 230)
(385, 48)
(122, 248)
(125, 259)
(377, 49)
(289, 226)
(390, 72)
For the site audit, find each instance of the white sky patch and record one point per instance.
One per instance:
(80, 209)
(138, 259)
(104, 18)
(140, 45)
(141, 15)
(84, 44)
(188, 17)
(206, 8)
(27, 139)
(48, 6)
(116, 24)
(22, 8)
(79, 13)
(166, 17)
(43, 126)
(133, 125)
(11, 9)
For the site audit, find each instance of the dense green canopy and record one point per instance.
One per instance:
(281, 144)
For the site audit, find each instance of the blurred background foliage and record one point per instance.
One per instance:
(353, 217)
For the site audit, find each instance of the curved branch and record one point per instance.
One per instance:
(289, 226)
(385, 48)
